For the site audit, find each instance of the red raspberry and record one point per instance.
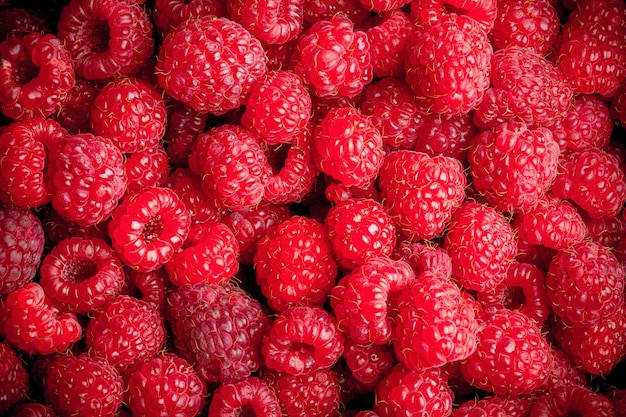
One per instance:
(217, 328)
(149, 287)
(35, 323)
(87, 178)
(165, 384)
(618, 398)
(563, 372)
(428, 11)
(607, 231)
(363, 301)
(447, 135)
(233, 166)
(593, 179)
(168, 14)
(389, 41)
(21, 248)
(333, 58)
(57, 228)
(301, 340)
(33, 410)
(448, 64)
(514, 165)
(618, 106)
(318, 10)
(424, 257)
(16, 21)
(130, 112)
(148, 227)
(596, 28)
(146, 168)
(275, 22)
(279, 55)
(72, 115)
(574, 400)
(188, 187)
(421, 192)
(423, 392)
(481, 245)
(526, 87)
(125, 331)
(494, 406)
(83, 385)
(587, 124)
(183, 126)
(210, 64)
(509, 341)
(379, 6)
(527, 24)
(210, 254)
(251, 395)
(369, 363)
(14, 378)
(82, 274)
(295, 264)
(37, 75)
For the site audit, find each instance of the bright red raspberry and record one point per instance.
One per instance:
(421, 192)
(87, 178)
(233, 166)
(148, 227)
(587, 124)
(494, 406)
(251, 395)
(14, 378)
(318, 10)
(21, 248)
(422, 392)
(295, 264)
(424, 257)
(333, 58)
(210, 254)
(447, 135)
(389, 41)
(130, 112)
(514, 165)
(368, 363)
(301, 340)
(428, 11)
(570, 400)
(448, 65)
(106, 38)
(481, 245)
(168, 14)
(83, 385)
(363, 301)
(188, 187)
(275, 22)
(183, 126)
(35, 323)
(36, 75)
(149, 287)
(217, 328)
(210, 64)
(509, 341)
(526, 87)
(72, 115)
(563, 372)
(124, 331)
(164, 384)
(146, 168)
(82, 274)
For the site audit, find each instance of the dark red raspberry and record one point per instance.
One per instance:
(146, 168)
(210, 64)
(217, 328)
(333, 58)
(301, 340)
(188, 187)
(164, 384)
(587, 124)
(618, 106)
(368, 363)
(389, 41)
(279, 55)
(168, 14)
(607, 231)
(83, 385)
(380, 6)
(494, 406)
(448, 65)
(148, 227)
(33, 410)
(14, 379)
(424, 257)
(106, 38)
(21, 248)
(130, 112)
(428, 11)
(317, 10)
(570, 400)
(421, 192)
(183, 126)
(563, 372)
(72, 115)
(35, 323)
(57, 228)
(251, 395)
(618, 398)
(275, 22)
(16, 21)
(447, 135)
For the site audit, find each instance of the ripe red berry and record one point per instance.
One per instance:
(188, 187)
(368, 363)
(428, 11)
(271, 22)
(250, 395)
(389, 41)
(572, 400)
(147, 168)
(14, 379)
(168, 14)
(493, 406)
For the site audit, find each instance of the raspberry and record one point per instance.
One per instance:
(21, 248)
(217, 328)
(422, 392)
(87, 178)
(82, 274)
(333, 58)
(57, 228)
(527, 24)
(148, 227)
(572, 400)
(295, 264)
(494, 406)
(36, 324)
(302, 340)
(124, 331)
(183, 126)
(363, 300)
(16, 21)
(14, 386)
(513, 165)
(618, 106)
(146, 168)
(618, 398)
(210, 64)
(165, 384)
(278, 108)
(424, 257)
(446, 135)
(607, 231)
(272, 23)
(593, 179)
(210, 254)
(481, 245)
(587, 124)
(188, 187)
(369, 363)
(233, 166)
(72, 115)
(37, 75)
(33, 410)
(509, 340)
(563, 372)
(428, 11)
(279, 55)
(526, 87)
(421, 192)
(317, 10)
(130, 112)
(448, 64)
(250, 395)
(389, 41)
(83, 385)
(106, 38)
(168, 14)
